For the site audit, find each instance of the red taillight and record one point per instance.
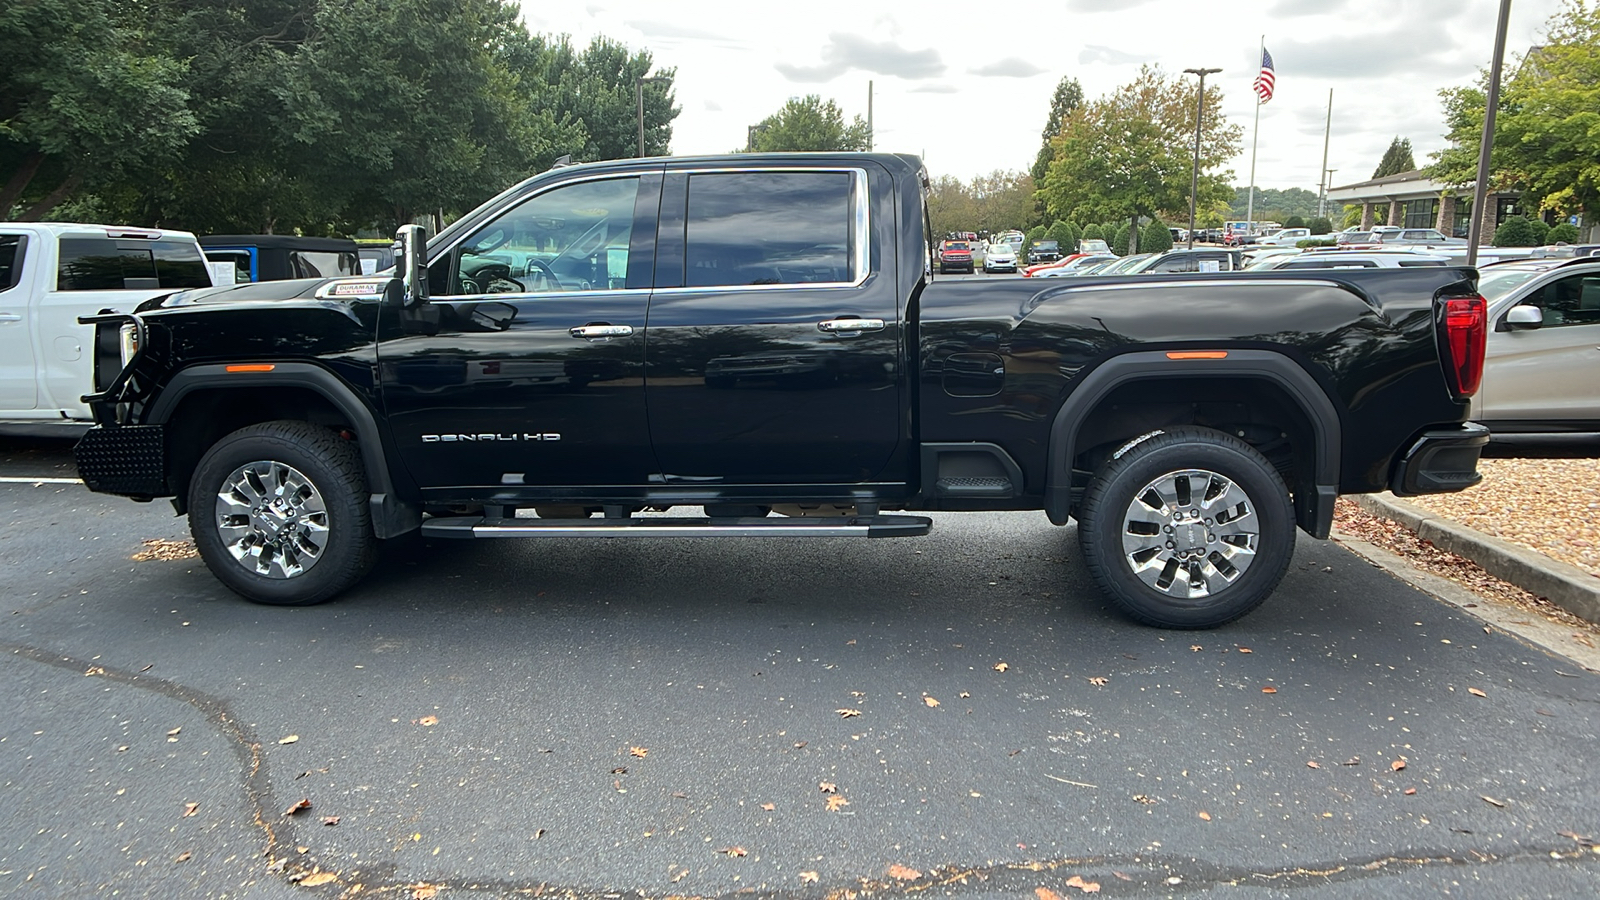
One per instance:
(1465, 329)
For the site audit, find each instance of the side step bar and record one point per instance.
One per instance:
(775, 526)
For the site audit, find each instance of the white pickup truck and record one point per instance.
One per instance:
(52, 273)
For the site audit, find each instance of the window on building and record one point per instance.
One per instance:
(1421, 213)
(768, 228)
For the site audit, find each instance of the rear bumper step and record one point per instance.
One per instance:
(842, 526)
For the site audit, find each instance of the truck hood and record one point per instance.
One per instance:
(250, 292)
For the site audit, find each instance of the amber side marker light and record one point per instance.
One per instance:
(1198, 354)
(262, 367)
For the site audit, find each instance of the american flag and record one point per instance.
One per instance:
(1266, 80)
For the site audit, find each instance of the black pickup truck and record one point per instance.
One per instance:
(759, 338)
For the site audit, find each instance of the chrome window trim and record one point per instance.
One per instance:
(537, 295)
(860, 227)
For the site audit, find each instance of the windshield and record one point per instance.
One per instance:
(1125, 264)
(1494, 285)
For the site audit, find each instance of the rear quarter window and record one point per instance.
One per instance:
(120, 264)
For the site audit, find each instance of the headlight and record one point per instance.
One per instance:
(127, 342)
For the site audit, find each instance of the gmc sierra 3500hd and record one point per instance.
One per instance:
(758, 336)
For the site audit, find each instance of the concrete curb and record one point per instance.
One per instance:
(1563, 584)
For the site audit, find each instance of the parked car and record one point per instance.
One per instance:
(1540, 363)
(1188, 424)
(1286, 237)
(1254, 255)
(1043, 252)
(52, 273)
(1564, 251)
(1349, 236)
(956, 255)
(1349, 259)
(999, 257)
(1094, 245)
(377, 255)
(1075, 267)
(1415, 237)
(1123, 265)
(276, 257)
(1196, 260)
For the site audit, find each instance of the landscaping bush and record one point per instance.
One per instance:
(1061, 233)
(1072, 230)
(1036, 233)
(1565, 233)
(1541, 229)
(1311, 242)
(1093, 233)
(1295, 222)
(1515, 232)
(1119, 244)
(1321, 225)
(1155, 238)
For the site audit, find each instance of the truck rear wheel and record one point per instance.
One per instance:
(279, 513)
(1187, 528)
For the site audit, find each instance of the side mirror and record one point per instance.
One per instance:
(1525, 316)
(411, 265)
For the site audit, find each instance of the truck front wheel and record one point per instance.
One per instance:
(279, 513)
(1187, 527)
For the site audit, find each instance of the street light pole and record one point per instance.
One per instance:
(1199, 114)
(1480, 187)
(638, 92)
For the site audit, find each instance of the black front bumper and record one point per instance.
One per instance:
(130, 460)
(1440, 461)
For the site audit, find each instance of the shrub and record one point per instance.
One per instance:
(1093, 233)
(1566, 233)
(1155, 238)
(1295, 222)
(1036, 233)
(1321, 225)
(1515, 232)
(1119, 244)
(1541, 229)
(1061, 233)
(1310, 242)
(1074, 234)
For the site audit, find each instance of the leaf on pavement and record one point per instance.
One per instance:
(1410, 791)
(1195, 648)
(620, 770)
(734, 851)
(808, 877)
(1044, 893)
(1000, 667)
(769, 807)
(300, 807)
(1205, 816)
(289, 739)
(965, 695)
(1099, 681)
(799, 745)
(424, 892)
(1352, 761)
(1122, 876)
(903, 873)
(847, 713)
(1245, 650)
(1269, 689)
(1312, 764)
(428, 721)
(828, 787)
(185, 856)
(1476, 693)
(1088, 887)
(930, 701)
(316, 878)
(638, 751)
(190, 809)
(836, 801)
(174, 732)
(330, 820)
(1397, 765)
(1492, 801)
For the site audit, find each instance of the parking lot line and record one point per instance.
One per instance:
(24, 479)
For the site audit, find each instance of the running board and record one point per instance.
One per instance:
(775, 526)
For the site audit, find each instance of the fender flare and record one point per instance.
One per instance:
(1265, 365)
(391, 516)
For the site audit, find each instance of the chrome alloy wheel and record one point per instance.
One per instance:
(1190, 533)
(272, 519)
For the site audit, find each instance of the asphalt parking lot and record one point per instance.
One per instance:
(957, 714)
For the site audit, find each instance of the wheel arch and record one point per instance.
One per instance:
(201, 403)
(1269, 370)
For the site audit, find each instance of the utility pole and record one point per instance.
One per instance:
(1199, 113)
(1327, 185)
(638, 92)
(869, 114)
(1480, 190)
(1322, 200)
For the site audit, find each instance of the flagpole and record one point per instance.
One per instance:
(1255, 137)
(1322, 179)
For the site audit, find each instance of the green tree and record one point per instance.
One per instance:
(597, 89)
(1001, 200)
(1516, 231)
(1130, 153)
(1066, 99)
(1565, 233)
(1320, 225)
(1396, 159)
(1273, 204)
(1119, 243)
(1155, 237)
(1294, 222)
(85, 100)
(809, 124)
(951, 206)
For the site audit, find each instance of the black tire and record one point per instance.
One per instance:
(332, 468)
(1106, 526)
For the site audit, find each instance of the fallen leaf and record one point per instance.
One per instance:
(679, 877)
(903, 873)
(428, 721)
(799, 745)
(1476, 693)
(964, 695)
(930, 701)
(680, 795)
(1001, 667)
(289, 740)
(808, 877)
(1195, 648)
(1397, 765)
(1490, 800)
(638, 751)
(94, 670)
(1410, 791)
(1088, 887)
(769, 807)
(1044, 893)
(317, 878)
(1312, 764)
(1352, 761)
(1099, 680)
(1205, 816)
(1245, 650)
(174, 732)
(734, 851)
(185, 856)
(190, 809)
(1269, 689)
(836, 802)
(827, 787)
(620, 770)
(330, 820)
(538, 833)
(424, 892)
(1143, 798)
(848, 713)
(1123, 876)
(300, 807)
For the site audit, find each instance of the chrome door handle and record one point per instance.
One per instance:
(601, 331)
(849, 325)
(10, 317)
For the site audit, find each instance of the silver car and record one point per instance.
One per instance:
(1542, 368)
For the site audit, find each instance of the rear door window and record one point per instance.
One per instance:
(120, 264)
(762, 228)
(12, 251)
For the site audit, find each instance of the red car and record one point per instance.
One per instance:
(1030, 271)
(955, 255)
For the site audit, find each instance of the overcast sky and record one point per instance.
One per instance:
(969, 89)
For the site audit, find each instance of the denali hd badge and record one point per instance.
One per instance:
(487, 438)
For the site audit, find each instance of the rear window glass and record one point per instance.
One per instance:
(768, 228)
(1404, 263)
(330, 264)
(119, 264)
